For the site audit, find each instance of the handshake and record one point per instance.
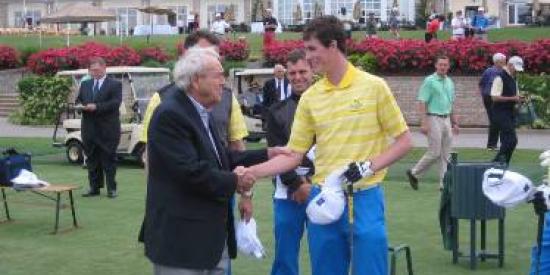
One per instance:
(247, 176)
(245, 180)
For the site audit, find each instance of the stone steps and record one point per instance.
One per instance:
(8, 104)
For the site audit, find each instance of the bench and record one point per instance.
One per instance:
(52, 192)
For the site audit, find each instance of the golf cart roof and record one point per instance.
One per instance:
(245, 72)
(117, 70)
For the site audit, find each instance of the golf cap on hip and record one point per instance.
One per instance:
(517, 62)
(507, 188)
(327, 207)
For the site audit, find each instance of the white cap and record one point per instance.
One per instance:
(247, 239)
(481, 9)
(218, 15)
(517, 62)
(327, 207)
(498, 57)
(507, 188)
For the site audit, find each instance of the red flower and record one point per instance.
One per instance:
(9, 57)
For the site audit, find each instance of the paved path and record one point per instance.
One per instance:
(473, 138)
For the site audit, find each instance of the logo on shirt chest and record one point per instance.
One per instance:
(356, 105)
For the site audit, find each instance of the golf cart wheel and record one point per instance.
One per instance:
(142, 156)
(75, 152)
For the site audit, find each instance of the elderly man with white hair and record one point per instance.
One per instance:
(485, 83)
(188, 225)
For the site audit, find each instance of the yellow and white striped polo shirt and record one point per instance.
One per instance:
(351, 121)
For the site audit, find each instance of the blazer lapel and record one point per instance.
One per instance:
(196, 119)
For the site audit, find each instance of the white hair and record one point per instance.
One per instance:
(499, 57)
(191, 64)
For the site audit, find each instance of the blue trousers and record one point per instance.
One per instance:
(545, 252)
(329, 245)
(289, 223)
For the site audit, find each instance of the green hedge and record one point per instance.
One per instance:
(41, 99)
(538, 88)
(367, 62)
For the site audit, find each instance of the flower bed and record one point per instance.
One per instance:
(231, 50)
(155, 54)
(9, 57)
(405, 56)
(53, 60)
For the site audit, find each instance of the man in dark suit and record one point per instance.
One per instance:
(276, 89)
(101, 97)
(188, 225)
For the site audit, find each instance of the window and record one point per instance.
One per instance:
(339, 7)
(284, 12)
(307, 10)
(371, 6)
(519, 13)
(126, 21)
(32, 15)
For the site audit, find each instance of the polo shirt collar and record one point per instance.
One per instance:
(346, 81)
(438, 77)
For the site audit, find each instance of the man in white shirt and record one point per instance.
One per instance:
(219, 26)
(458, 23)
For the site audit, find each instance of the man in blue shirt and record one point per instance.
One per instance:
(485, 83)
(480, 24)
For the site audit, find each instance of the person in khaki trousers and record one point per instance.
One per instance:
(438, 122)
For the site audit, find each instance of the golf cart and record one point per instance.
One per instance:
(138, 85)
(246, 84)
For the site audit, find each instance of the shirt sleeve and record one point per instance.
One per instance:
(496, 89)
(154, 102)
(303, 128)
(237, 125)
(424, 92)
(389, 114)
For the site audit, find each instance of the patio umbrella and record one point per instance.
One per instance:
(229, 14)
(317, 10)
(78, 13)
(158, 11)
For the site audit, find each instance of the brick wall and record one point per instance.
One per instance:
(468, 105)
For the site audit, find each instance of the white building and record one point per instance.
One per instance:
(13, 13)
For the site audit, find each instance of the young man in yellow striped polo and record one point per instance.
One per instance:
(349, 114)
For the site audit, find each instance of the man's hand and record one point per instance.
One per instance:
(275, 151)
(358, 170)
(245, 181)
(456, 129)
(424, 126)
(245, 208)
(90, 107)
(302, 193)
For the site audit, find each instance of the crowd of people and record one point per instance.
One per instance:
(327, 140)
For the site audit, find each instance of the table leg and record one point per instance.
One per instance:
(72, 208)
(500, 242)
(483, 241)
(6, 208)
(57, 206)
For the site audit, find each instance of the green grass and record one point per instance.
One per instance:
(24, 43)
(106, 242)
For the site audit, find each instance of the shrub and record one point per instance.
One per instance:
(234, 50)
(42, 97)
(9, 58)
(538, 88)
(277, 51)
(237, 50)
(50, 61)
(367, 62)
(155, 54)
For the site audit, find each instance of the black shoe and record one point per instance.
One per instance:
(413, 181)
(91, 193)
(112, 194)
